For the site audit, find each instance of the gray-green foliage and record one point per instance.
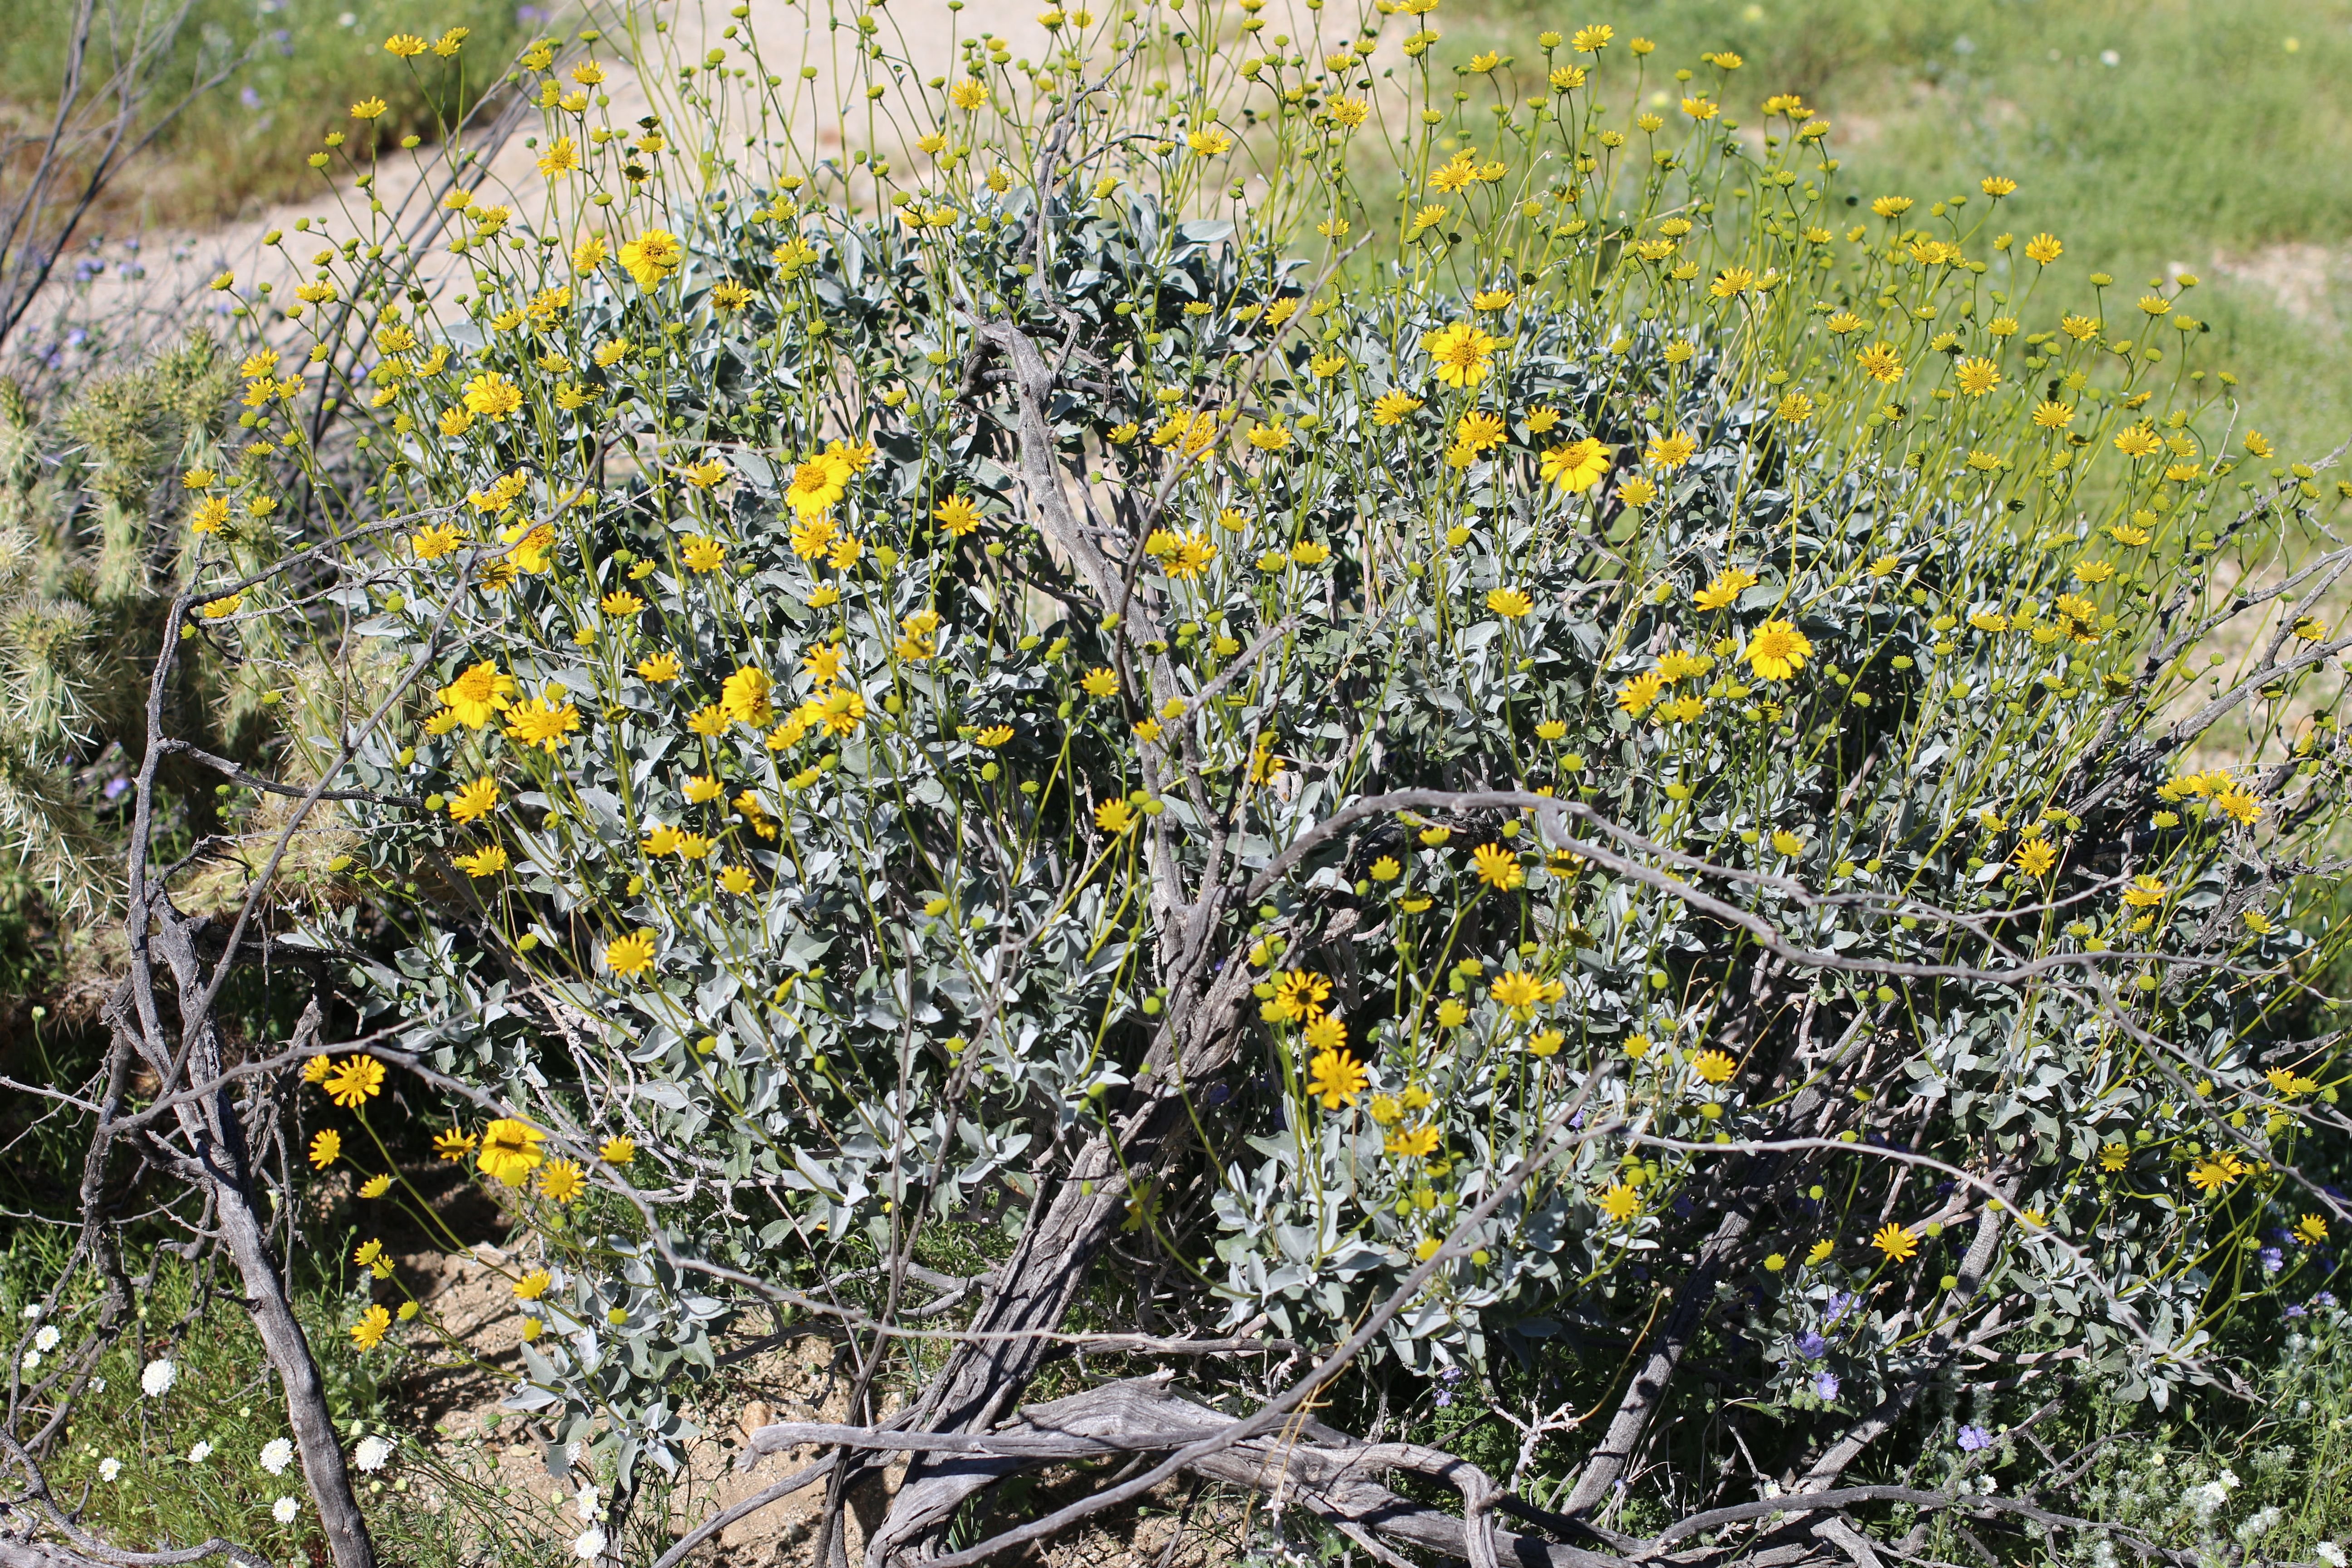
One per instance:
(943, 968)
(1632, 782)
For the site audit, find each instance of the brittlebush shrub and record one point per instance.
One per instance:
(818, 813)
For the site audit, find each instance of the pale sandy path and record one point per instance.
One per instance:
(922, 36)
(162, 287)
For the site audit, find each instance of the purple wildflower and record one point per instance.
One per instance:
(1448, 1379)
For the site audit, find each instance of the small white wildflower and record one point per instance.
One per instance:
(586, 1503)
(32, 1360)
(284, 1510)
(32, 1310)
(47, 1339)
(107, 1468)
(2327, 1551)
(590, 1544)
(2264, 1521)
(158, 1378)
(97, 1385)
(2228, 1478)
(276, 1455)
(372, 1453)
(200, 1453)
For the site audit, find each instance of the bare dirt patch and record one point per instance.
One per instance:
(2306, 280)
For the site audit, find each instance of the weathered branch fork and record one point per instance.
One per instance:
(1304, 1465)
(1339, 1478)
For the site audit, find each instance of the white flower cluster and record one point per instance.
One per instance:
(2205, 1501)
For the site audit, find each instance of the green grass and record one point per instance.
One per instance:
(2292, 1455)
(245, 143)
(2208, 136)
(427, 1507)
(222, 1397)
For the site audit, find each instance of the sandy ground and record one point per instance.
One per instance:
(470, 1294)
(456, 1409)
(162, 287)
(160, 282)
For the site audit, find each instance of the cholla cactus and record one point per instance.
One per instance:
(88, 508)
